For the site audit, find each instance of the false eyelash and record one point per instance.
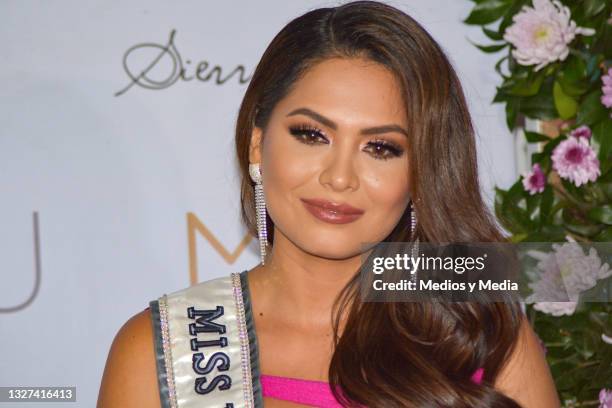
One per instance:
(395, 149)
(303, 129)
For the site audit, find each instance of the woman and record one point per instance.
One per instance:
(353, 123)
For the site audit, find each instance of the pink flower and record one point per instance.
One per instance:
(534, 180)
(605, 398)
(576, 161)
(606, 98)
(581, 131)
(541, 34)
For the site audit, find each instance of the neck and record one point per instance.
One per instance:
(302, 285)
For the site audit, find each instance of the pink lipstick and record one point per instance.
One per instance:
(333, 213)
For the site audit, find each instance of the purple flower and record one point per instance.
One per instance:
(606, 98)
(534, 180)
(605, 398)
(576, 161)
(581, 131)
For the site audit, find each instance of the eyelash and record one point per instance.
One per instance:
(308, 134)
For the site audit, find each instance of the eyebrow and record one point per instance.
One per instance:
(331, 124)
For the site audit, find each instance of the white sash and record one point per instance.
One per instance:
(206, 348)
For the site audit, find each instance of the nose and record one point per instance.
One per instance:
(339, 172)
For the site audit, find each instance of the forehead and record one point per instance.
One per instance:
(352, 90)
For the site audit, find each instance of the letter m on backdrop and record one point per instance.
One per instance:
(194, 225)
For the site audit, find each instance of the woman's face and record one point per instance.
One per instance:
(339, 136)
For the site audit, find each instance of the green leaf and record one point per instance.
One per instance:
(550, 146)
(500, 196)
(594, 194)
(565, 104)
(492, 34)
(524, 84)
(602, 43)
(604, 182)
(607, 190)
(574, 68)
(591, 109)
(592, 67)
(498, 67)
(514, 9)
(592, 7)
(488, 11)
(573, 76)
(534, 137)
(490, 48)
(499, 204)
(601, 214)
(500, 96)
(604, 236)
(516, 238)
(571, 188)
(554, 233)
(546, 204)
(577, 225)
(533, 206)
(602, 143)
(541, 105)
(510, 208)
(511, 113)
(543, 157)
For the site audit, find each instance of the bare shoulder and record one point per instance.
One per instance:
(526, 376)
(130, 378)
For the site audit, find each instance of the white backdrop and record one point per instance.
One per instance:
(112, 169)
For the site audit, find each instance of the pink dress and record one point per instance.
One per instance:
(309, 392)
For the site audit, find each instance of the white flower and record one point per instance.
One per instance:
(541, 34)
(556, 308)
(564, 274)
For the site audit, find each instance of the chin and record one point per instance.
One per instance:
(330, 246)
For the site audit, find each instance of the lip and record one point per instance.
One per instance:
(333, 213)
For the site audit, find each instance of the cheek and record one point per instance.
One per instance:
(387, 187)
(287, 164)
(287, 167)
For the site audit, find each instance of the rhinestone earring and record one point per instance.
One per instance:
(260, 209)
(414, 238)
(413, 221)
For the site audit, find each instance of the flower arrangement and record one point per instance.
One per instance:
(556, 67)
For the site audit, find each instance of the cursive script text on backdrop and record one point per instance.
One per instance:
(141, 76)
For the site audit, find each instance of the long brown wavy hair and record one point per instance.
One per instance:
(399, 354)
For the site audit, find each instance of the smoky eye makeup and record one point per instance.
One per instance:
(385, 149)
(380, 149)
(307, 133)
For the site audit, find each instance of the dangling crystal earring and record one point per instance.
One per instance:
(413, 221)
(415, 240)
(260, 209)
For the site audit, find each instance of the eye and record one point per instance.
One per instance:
(308, 134)
(384, 150)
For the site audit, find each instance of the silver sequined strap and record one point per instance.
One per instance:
(162, 352)
(245, 355)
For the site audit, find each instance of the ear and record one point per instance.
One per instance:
(255, 145)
